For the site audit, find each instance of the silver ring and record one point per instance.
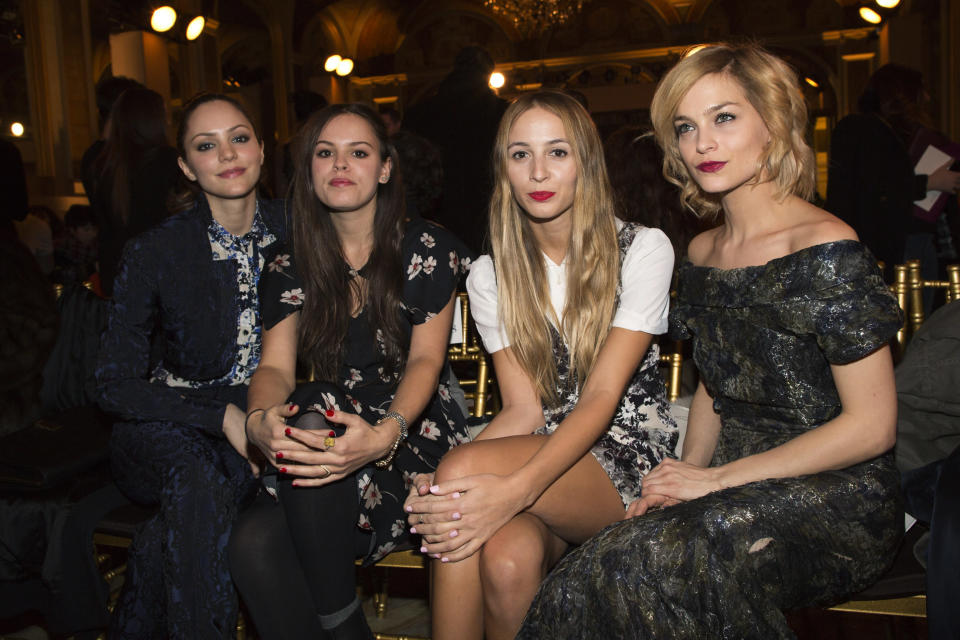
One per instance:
(326, 471)
(420, 521)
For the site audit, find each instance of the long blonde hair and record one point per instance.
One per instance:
(592, 259)
(770, 85)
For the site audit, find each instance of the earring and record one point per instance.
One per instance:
(384, 179)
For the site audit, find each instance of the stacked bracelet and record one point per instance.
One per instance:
(400, 420)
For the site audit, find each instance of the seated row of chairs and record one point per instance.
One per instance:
(476, 376)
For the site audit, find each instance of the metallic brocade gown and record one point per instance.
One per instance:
(726, 564)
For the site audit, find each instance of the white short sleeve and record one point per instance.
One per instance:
(482, 288)
(646, 274)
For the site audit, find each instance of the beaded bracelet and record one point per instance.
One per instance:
(400, 420)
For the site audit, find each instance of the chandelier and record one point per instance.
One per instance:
(533, 16)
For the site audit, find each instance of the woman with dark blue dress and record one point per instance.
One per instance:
(182, 342)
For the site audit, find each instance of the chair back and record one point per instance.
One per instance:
(909, 287)
(471, 361)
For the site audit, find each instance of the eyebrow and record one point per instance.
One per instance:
(213, 133)
(349, 144)
(708, 110)
(520, 143)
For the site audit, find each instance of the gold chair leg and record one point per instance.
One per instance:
(916, 295)
(480, 402)
(953, 277)
(901, 289)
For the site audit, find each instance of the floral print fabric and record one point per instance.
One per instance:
(643, 431)
(246, 251)
(433, 261)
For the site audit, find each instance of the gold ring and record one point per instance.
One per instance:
(329, 441)
(326, 472)
(421, 520)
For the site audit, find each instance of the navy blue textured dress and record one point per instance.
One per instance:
(182, 341)
(726, 564)
(432, 261)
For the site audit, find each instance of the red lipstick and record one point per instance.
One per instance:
(541, 196)
(710, 167)
(232, 173)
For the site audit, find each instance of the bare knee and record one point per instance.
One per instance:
(511, 565)
(459, 462)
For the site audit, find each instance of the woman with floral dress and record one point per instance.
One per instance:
(568, 304)
(364, 302)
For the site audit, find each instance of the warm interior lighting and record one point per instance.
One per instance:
(887, 4)
(870, 15)
(693, 50)
(497, 80)
(813, 83)
(163, 19)
(331, 64)
(195, 28)
(16, 129)
(345, 67)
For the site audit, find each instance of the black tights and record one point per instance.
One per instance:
(293, 560)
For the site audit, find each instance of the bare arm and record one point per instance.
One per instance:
(272, 383)
(428, 352)
(522, 412)
(703, 429)
(619, 358)
(865, 428)
(316, 464)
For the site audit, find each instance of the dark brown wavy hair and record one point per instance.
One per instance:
(328, 286)
(187, 191)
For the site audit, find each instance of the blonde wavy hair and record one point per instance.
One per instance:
(770, 85)
(592, 260)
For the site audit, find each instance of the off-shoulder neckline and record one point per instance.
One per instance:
(687, 264)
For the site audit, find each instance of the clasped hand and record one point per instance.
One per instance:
(457, 517)
(672, 482)
(303, 453)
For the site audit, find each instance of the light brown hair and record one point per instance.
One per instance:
(770, 85)
(592, 260)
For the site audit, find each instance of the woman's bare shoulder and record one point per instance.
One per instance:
(815, 226)
(702, 246)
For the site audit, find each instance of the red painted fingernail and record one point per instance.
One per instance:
(294, 484)
(279, 455)
(332, 433)
(287, 431)
(283, 469)
(292, 406)
(329, 413)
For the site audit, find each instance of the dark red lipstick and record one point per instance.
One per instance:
(710, 167)
(232, 173)
(542, 196)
